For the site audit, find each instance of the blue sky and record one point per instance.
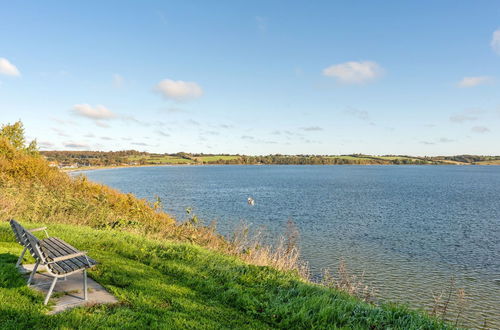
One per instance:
(254, 77)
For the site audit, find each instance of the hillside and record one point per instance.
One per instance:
(79, 159)
(165, 274)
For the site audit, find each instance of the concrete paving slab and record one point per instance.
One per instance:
(68, 293)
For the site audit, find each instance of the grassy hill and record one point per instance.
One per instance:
(165, 274)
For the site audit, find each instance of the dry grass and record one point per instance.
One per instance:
(445, 299)
(351, 284)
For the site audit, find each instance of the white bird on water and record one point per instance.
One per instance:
(250, 201)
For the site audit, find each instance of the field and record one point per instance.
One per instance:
(207, 159)
(489, 162)
(159, 159)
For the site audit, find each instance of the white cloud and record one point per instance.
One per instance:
(354, 72)
(495, 41)
(179, 90)
(98, 112)
(8, 68)
(474, 81)
(480, 129)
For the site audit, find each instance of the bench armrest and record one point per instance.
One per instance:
(36, 229)
(69, 256)
(39, 229)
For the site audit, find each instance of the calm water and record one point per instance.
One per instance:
(409, 229)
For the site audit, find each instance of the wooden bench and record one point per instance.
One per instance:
(59, 258)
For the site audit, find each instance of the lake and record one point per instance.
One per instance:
(408, 229)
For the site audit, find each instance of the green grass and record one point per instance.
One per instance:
(159, 159)
(161, 284)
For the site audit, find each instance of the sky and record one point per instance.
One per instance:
(254, 77)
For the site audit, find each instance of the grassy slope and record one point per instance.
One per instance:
(162, 284)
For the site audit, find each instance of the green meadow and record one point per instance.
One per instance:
(165, 284)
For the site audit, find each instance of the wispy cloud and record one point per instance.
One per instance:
(98, 112)
(474, 81)
(174, 110)
(60, 132)
(45, 145)
(460, 118)
(359, 114)
(107, 138)
(118, 80)
(8, 69)
(311, 128)
(193, 122)
(467, 115)
(135, 120)
(162, 17)
(76, 145)
(354, 72)
(437, 141)
(480, 129)
(101, 124)
(179, 90)
(261, 23)
(162, 133)
(63, 121)
(247, 137)
(495, 41)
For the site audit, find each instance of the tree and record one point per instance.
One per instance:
(14, 133)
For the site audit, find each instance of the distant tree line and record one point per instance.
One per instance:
(134, 157)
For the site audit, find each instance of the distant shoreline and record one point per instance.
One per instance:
(92, 168)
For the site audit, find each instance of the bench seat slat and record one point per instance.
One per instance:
(51, 251)
(55, 247)
(68, 249)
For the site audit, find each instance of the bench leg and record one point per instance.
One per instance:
(32, 275)
(20, 260)
(50, 291)
(84, 284)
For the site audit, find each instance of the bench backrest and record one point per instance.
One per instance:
(17, 229)
(24, 237)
